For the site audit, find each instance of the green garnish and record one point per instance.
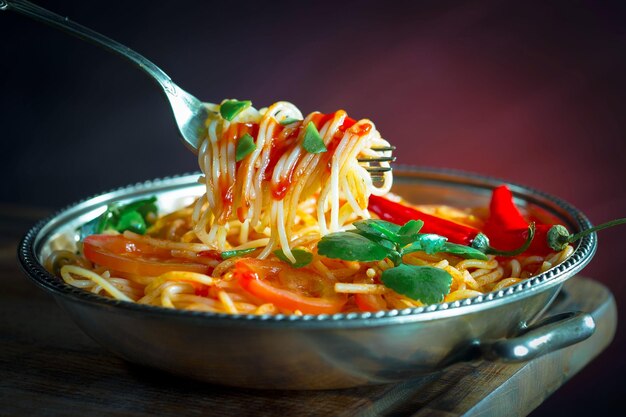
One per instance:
(303, 257)
(289, 120)
(245, 146)
(240, 252)
(425, 283)
(231, 108)
(351, 247)
(375, 240)
(131, 220)
(136, 217)
(313, 142)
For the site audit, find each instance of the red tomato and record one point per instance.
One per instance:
(118, 253)
(370, 302)
(287, 287)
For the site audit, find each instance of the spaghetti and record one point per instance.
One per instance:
(249, 245)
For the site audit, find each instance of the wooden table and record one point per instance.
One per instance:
(48, 367)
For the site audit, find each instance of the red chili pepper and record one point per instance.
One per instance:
(507, 229)
(400, 214)
(507, 240)
(503, 213)
(505, 226)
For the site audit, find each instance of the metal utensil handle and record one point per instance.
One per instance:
(39, 13)
(548, 335)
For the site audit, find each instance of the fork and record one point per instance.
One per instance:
(190, 113)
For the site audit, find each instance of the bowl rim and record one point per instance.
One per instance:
(581, 256)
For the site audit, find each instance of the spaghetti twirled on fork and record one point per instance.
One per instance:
(276, 183)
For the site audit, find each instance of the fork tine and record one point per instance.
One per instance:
(377, 170)
(379, 159)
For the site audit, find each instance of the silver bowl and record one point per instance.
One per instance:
(323, 351)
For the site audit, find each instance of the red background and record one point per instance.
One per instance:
(527, 91)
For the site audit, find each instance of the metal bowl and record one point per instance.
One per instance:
(323, 351)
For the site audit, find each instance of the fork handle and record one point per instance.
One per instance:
(63, 23)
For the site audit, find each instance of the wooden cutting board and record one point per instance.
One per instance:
(48, 367)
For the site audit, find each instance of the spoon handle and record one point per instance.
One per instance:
(63, 23)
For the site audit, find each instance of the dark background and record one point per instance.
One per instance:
(533, 92)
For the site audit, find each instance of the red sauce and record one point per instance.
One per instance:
(283, 140)
(233, 133)
(251, 128)
(279, 190)
(348, 122)
(202, 290)
(241, 215)
(280, 145)
(320, 119)
(361, 129)
(211, 254)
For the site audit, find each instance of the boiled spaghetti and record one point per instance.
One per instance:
(281, 190)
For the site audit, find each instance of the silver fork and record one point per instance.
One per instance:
(189, 112)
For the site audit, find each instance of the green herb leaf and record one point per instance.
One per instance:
(303, 257)
(409, 232)
(245, 146)
(131, 220)
(463, 251)
(288, 121)
(432, 244)
(351, 247)
(313, 142)
(428, 243)
(144, 207)
(375, 228)
(380, 240)
(106, 221)
(410, 228)
(135, 216)
(424, 283)
(232, 253)
(231, 108)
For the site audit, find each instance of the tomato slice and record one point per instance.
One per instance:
(287, 287)
(118, 253)
(370, 302)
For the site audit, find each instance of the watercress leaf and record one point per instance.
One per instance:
(313, 142)
(428, 243)
(463, 251)
(107, 220)
(131, 220)
(380, 240)
(409, 232)
(231, 108)
(289, 120)
(245, 146)
(240, 252)
(303, 257)
(135, 216)
(413, 247)
(351, 247)
(423, 283)
(432, 244)
(145, 207)
(378, 229)
(411, 228)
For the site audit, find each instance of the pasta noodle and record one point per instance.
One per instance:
(264, 208)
